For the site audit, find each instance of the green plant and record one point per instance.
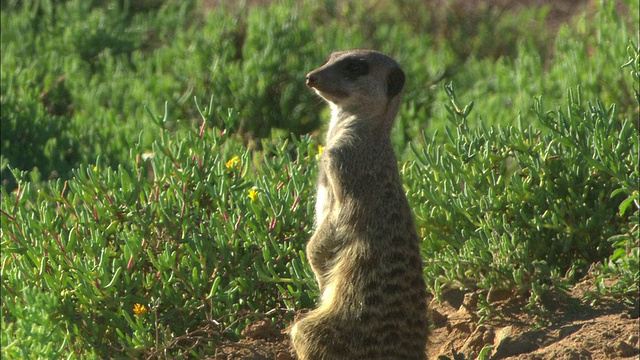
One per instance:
(278, 42)
(200, 234)
(624, 263)
(118, 57)
(512, 208)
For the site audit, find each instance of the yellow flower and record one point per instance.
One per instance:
(320, 148)
(253, 194)
(233, 162)
(139, 309)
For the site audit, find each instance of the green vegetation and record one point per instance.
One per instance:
(142, 217)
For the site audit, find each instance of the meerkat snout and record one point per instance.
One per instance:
(311, 79)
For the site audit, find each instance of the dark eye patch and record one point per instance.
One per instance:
(354, 68)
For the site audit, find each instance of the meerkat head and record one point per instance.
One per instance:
(364, 83)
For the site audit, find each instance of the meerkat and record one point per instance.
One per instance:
(364, 250)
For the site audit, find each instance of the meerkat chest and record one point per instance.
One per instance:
(322, 198)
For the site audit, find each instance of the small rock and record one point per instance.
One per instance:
(626, 350)
(504, 333)
(498, 295)
(634, 313)
(284, 355)
(454, 297)
(476, 340)
(609, 351)
(258, 330)
(507, 344)
(568, 330)
(583, 354)
(463, 327)
(437, 318)
(488, 336)
(470, 301)
(619, 349)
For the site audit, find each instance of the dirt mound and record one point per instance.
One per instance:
(575, 329)
(262, 341)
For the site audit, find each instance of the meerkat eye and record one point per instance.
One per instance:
(355, 68)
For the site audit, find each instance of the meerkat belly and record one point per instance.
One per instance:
(322, 204)
(326, 197)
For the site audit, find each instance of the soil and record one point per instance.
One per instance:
(576, 330)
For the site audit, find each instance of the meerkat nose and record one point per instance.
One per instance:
(311, 79)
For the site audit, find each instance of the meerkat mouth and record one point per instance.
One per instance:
(314, 82)
(332, 96)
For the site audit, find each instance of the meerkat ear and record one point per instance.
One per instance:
(395, 82)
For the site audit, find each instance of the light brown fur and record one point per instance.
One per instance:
(365, 250)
